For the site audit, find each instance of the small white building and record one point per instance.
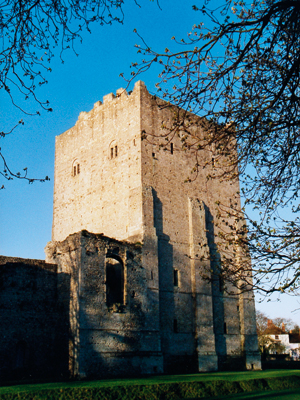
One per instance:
(282, 342)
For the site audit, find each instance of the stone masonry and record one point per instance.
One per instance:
(129, 286)
(34, 320)
(109, 181)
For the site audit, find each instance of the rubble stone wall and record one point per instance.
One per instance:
(33, 322)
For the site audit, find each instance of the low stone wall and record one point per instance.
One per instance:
(33, 321)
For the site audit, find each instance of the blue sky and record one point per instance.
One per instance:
(26, 210)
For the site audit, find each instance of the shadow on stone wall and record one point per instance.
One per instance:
(34, 325)
(177, 359)
(226, 362)
(217, 291)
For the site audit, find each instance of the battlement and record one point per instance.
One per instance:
(113, 99)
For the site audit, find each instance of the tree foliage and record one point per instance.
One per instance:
(239, 72)
(32, 32)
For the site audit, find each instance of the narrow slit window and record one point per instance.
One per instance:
(172, 149)
(175, 326)
(75, 168)
(116, 151)
(176, 277)
(221, 285)
(111, 152)
(213, 161)
(151, 275)
(225, 328)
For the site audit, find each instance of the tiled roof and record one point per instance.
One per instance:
(273, 329)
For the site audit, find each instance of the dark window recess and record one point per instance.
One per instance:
(133, 294)
(74, 170)
(175, 277)
(114, 282)
(134, 142)
(151, 275)
(172, 149)
(175, 326)
(111, 152)
(221, 285)
(116, 151)
(238, 308)
(213, 161)
(78, 168)
(225, 327)
(21, 360)
(153, 155)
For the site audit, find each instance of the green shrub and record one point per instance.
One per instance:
(153, 391)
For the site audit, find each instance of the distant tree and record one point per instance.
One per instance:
(240, 73)
(296, 329)
(264, 341)
(261, 322)
(276, 348)
(287, 323)
(32, 32)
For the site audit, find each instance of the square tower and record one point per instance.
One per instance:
(113, 178)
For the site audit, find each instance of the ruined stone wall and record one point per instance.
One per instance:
(33, 322)
(109, 339)
(98, 171)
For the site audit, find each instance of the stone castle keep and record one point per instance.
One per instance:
(121, 291)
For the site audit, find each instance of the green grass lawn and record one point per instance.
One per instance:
(236, 385)
(290, 394)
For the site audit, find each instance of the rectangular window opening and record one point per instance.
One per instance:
(74, 170)
(172, 149)
(213, 161)
(153, 155)
(78, 168)
(116, 151)
(225, 328)
(151, 275)
(112, 152)
(175, 326)
(175, 277)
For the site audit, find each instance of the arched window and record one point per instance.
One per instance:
(75, 168)
(113, 150)
(114, 281)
